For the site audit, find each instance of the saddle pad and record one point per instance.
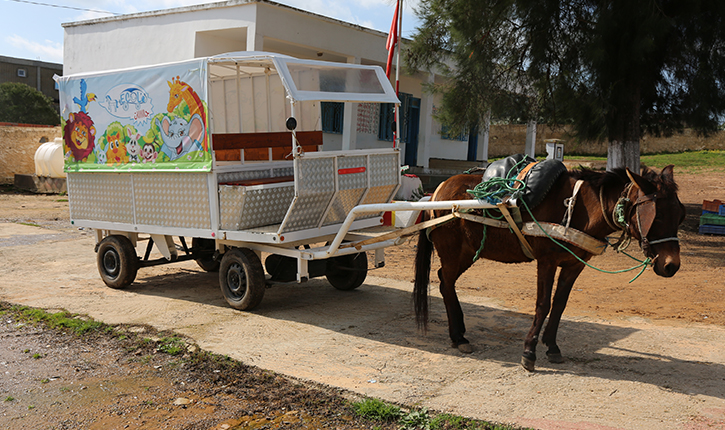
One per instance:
(538, 180)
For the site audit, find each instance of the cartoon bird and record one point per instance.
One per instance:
(82, 102)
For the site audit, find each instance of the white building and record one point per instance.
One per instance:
(261, 25)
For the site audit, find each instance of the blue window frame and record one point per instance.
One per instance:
(333, 114)
(446, 135)
(387, 117)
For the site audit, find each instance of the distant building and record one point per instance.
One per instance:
(35, 74)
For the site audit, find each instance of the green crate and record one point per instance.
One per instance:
(712, 219)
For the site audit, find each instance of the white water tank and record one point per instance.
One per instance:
(49, 159)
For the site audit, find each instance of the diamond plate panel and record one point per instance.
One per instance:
(351, 186)
(231, 199)
(382, 194)
(316, 186)
(265, 206)
(101, 197)
(172, 199)
(241, 208)
(254, 174)
(384, 170)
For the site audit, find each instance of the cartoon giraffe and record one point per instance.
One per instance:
(178, 91)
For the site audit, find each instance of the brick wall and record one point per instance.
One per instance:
(18, 144)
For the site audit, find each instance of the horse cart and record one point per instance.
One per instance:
(228, 151)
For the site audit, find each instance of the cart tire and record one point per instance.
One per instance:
(117, 261)
(241, 278)
(206, 262)
(347, 272)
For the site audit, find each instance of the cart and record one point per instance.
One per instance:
(228, 151)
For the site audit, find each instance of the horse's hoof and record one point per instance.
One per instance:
(465, 348)
(528, 364)
(555, 357)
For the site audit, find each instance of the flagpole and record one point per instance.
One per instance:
(397, 74)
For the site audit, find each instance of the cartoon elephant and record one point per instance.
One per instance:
(181, 137)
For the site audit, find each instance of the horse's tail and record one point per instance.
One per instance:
(422, 277)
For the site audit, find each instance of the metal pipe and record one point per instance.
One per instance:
(402, 206)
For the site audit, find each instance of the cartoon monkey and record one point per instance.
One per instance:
(79, 135)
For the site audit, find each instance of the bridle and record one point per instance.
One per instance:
(645, 212)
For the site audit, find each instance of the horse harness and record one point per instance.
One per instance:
(645, 213)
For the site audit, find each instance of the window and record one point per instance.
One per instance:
(387, 118)
(22, 73)
(332, 117)
(408, 104)
(445, 135)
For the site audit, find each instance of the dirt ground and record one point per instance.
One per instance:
(643, 355)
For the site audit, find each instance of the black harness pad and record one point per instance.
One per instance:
(538, 180)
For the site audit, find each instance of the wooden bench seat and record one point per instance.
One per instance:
(262, 146)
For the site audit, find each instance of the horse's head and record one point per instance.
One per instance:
(654, 217)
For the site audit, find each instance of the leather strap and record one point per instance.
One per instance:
(522, 174)
(525, 245)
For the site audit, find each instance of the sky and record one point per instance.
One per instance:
(31, 29)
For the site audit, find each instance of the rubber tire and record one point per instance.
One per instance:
(117, 261)
(241, 278)
(347, 272)
(208, 264)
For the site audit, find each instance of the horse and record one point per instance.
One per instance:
(643, 207)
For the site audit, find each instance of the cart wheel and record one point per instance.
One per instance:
(347, 272)
(241, 278)
(117, 261)
(206, 260)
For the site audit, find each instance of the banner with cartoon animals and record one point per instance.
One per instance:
(144, 119)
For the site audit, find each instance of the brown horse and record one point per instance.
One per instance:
(652, 217)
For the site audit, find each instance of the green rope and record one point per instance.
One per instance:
(494, 190)
(643, 264)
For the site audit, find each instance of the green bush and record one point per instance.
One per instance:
(23, 104)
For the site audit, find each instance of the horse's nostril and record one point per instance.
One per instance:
(671, 269)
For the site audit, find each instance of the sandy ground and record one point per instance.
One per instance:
(645, 355)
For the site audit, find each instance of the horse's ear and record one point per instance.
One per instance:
(646, 186)
(668, 172)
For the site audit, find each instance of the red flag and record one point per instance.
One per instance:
(392, 40)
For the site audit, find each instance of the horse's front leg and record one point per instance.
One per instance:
(567, 276)
(546, 271)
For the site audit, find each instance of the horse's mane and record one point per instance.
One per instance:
(618, 177)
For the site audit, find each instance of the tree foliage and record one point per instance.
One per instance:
(613, 68)
(23, 104)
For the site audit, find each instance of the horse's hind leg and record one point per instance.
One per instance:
(544, 283)
(451, 269)
(567, 276)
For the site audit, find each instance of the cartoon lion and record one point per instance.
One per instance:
(79, 135)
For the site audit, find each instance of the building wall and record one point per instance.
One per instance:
(17, 148)
(38, 74)
(150, 38)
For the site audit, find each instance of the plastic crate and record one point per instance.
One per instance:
(712, 205)
(712, 219)
(712, 229)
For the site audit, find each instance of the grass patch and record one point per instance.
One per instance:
(419, 419)
(172, 345)
(377, 410)
(689, 162)
(60, 320)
